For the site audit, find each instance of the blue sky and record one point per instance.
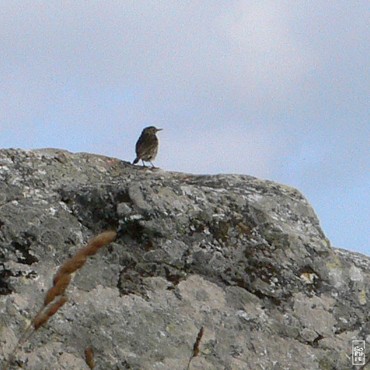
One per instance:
(273, 89)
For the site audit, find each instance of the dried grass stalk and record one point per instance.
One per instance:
(70, 266)
(55, 297)
(99, 241)
(89, 357)
(196, 349)
(43, 316)
(58, 289)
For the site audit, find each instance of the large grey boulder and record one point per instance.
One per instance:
(243, 258)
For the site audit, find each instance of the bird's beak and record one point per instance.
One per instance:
(159, 129)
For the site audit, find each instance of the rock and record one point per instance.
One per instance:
(243, 258)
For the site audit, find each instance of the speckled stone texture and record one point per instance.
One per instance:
(243, 258)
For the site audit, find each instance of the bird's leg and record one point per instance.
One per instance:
(143, 163)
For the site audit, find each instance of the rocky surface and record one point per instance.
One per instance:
(243, 258)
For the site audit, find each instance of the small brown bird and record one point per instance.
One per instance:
(147, 145)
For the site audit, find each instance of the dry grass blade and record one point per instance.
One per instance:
(197, 342)
(70, 266)
(89, 357)
(57, 289)
(55, 297)
(42, 317)
(78, 260)
(99, 241)
(196, 349)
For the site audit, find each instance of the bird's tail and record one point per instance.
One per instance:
(135, 160)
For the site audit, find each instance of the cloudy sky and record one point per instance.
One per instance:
(273, 89)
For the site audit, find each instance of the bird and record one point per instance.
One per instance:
(147, 145)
